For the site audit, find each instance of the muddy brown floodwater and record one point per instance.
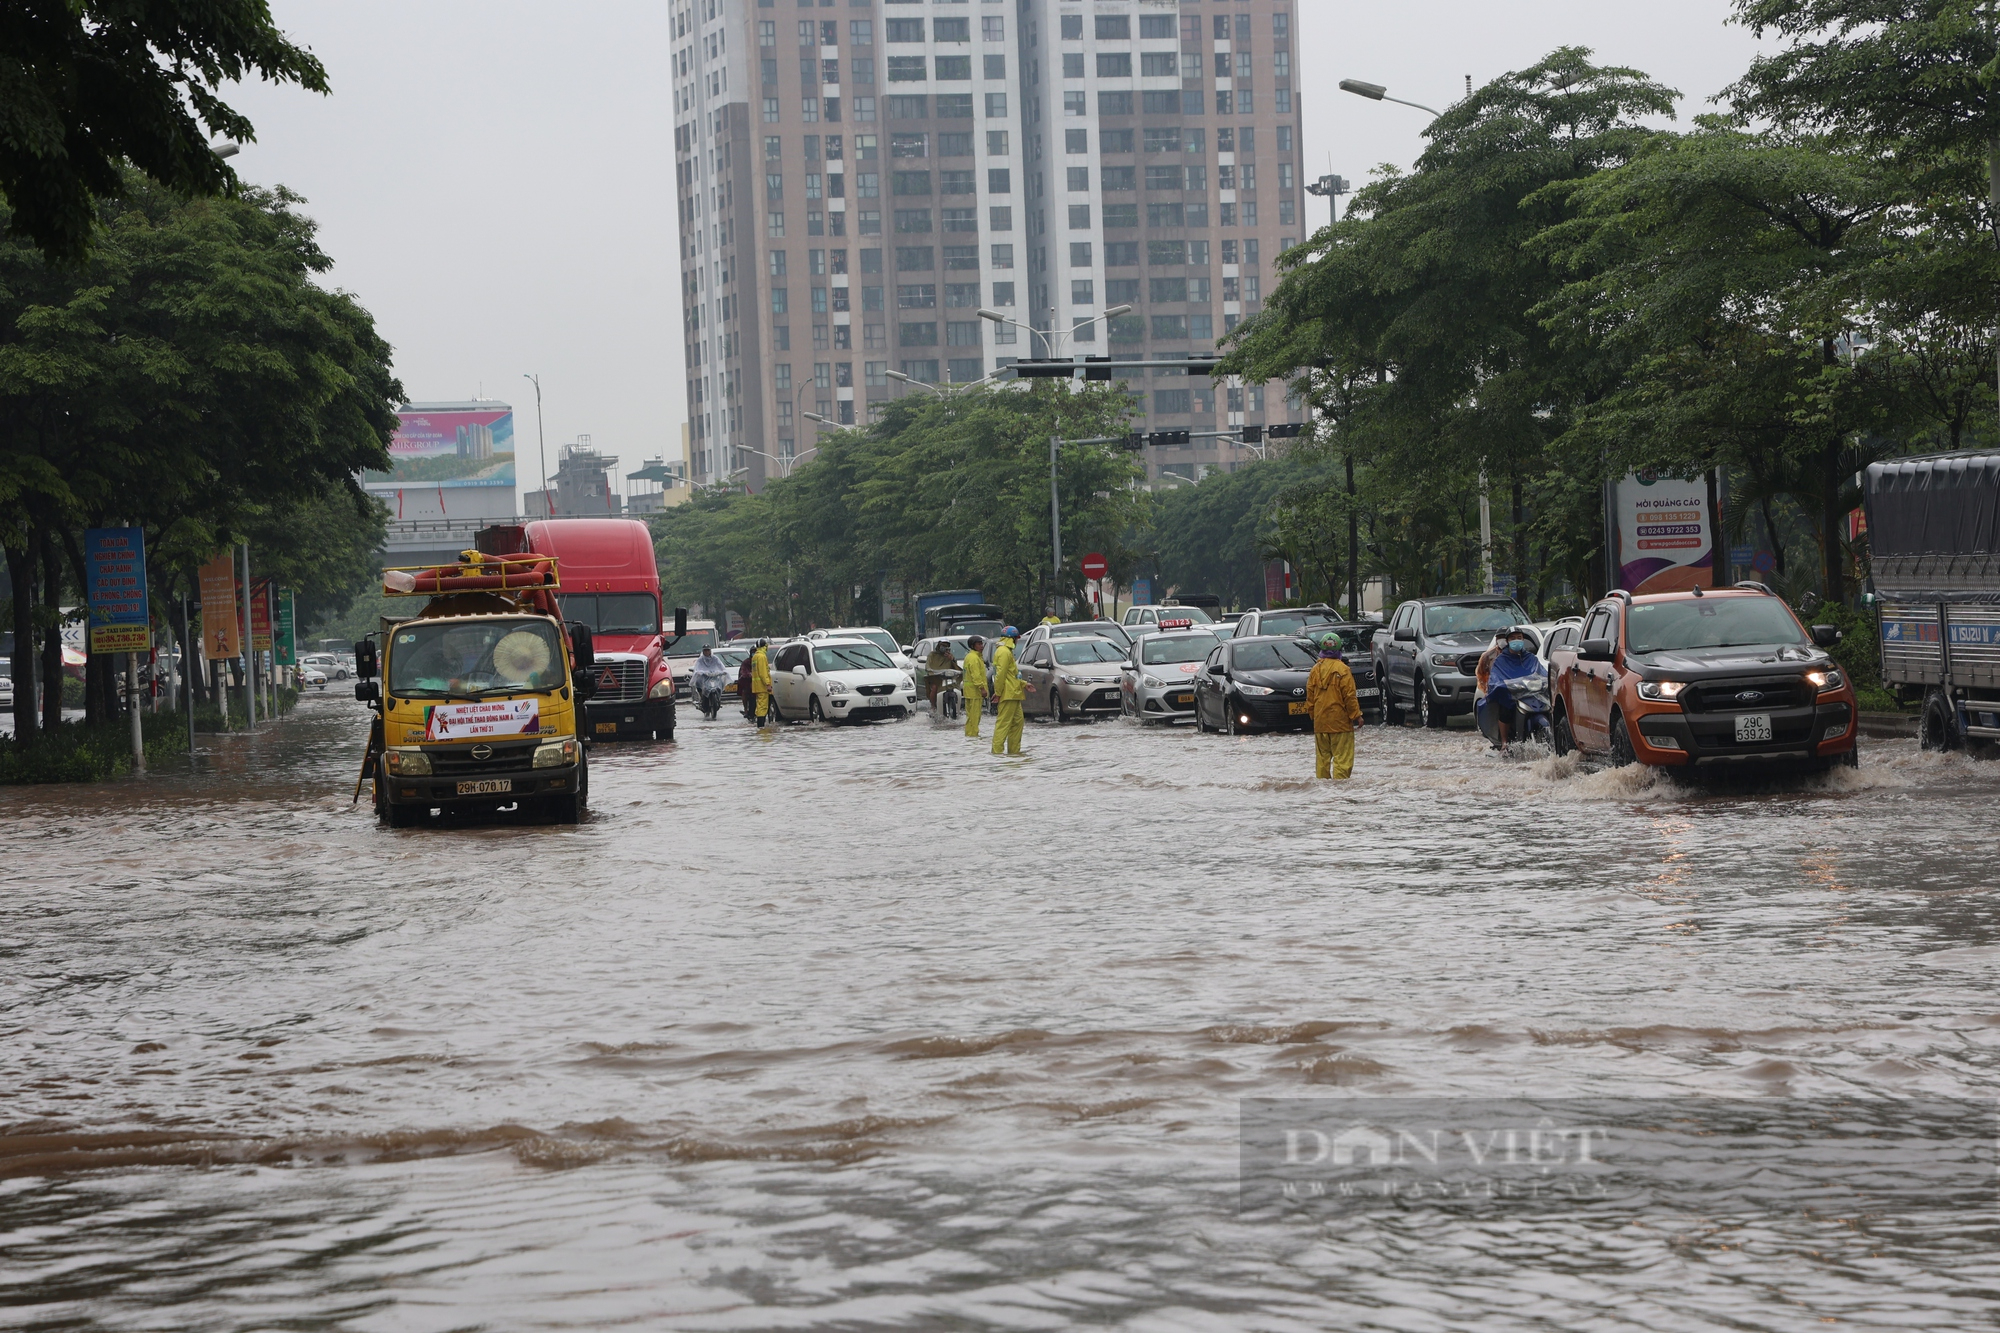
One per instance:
(864, 1028)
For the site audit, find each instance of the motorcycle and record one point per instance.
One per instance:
(708, 697)
(950, 700)
(1532, 719)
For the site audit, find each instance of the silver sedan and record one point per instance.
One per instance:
(1071, 677)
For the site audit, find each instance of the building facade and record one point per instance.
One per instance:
(856, 181)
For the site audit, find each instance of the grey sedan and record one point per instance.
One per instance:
(1069, 678)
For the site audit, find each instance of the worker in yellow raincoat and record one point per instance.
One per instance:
(1010, 693)
(1335, 710)
(974, 684)
(760, 679)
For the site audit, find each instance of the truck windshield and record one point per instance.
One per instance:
(1711, 622)
(463, 660)
(615, 612)
(1472, 618)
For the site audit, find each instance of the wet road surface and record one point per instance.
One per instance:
(865, 1028)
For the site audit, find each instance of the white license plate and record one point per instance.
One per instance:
(1366, 694)
(1753, 727)
(486, 787)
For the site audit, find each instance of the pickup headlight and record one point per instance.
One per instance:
(1661, 689)
(1444, 659)
(408, 763)
(836, 688)
(663, 690)
(1253, 689)
(1827, 679)
(560, 754)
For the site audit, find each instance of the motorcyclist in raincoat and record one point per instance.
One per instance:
(1011, 693)
(708, 673)
(760, 680)
(1507, 661)
(974, 684)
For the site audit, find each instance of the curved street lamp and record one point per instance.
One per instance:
(1375, 92)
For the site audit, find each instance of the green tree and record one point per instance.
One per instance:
(91, 90)
(190, 377)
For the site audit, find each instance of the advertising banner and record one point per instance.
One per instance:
(221, 617)
(260, 618)
(451, 448)
(1665, 539)
(497, 717)
(115, 563)
(285, 643)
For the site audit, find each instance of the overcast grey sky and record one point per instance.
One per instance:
(494, 179)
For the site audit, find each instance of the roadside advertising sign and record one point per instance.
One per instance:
(1665, 537)
(260, 617)
(285, 643)
(115, 563)
(221, 617)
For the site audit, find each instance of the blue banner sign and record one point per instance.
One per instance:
(115, 564)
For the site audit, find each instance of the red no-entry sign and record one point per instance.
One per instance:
(1094, 566)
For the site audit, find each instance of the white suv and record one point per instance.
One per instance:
(838, 680)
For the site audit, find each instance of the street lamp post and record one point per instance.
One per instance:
(1049, 335)
(1375, 92)
(541, 442)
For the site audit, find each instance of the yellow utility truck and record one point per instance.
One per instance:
(477, 696)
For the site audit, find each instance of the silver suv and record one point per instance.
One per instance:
(1428, 658)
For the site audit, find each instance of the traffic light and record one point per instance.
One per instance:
(1253, 435)
(1098, 368)
(1163, 437)
(1287, 431)
(1131, 444)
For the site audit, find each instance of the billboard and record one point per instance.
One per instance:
(260, 617)
(451, 444)
(286, 649)
(116, 562)
(1666, 541)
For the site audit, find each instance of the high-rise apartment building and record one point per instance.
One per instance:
(857, 181)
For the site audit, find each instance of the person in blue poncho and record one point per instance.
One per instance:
(1510, 659)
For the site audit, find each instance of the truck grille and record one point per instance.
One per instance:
(459, 759)
(619, 679)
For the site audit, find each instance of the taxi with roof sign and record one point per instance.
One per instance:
(1156, 681)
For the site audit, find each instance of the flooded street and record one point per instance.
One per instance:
(865, 1028)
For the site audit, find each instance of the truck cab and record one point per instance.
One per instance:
(478, 694)
(611, 586)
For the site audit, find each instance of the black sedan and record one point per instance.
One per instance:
(1256, 684)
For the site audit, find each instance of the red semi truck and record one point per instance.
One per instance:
(611, 585)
